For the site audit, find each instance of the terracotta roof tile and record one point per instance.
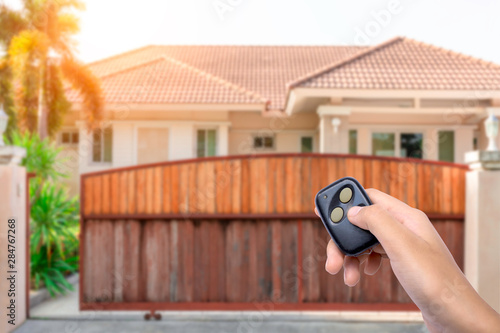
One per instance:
(402, 63)
(260, 74)
(261, 71)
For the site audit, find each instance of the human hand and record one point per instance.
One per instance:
(420, 260)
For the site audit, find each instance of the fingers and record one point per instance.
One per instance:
(373, 263)
(335, 258)
(393, 235)
(351, 271)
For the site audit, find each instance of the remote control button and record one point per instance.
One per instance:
(346, 195)
(337, 214)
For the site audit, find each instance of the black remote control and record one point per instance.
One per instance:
(332, 203)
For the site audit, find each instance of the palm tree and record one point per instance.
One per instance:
(41, 62)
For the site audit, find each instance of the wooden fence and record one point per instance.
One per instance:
(239, 233)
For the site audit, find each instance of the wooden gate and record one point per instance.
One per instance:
(239, 232)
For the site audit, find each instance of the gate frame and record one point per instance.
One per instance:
(152, 307)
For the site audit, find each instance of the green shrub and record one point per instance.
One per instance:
(54, 217)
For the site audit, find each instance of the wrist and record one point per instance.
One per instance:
(458, 308)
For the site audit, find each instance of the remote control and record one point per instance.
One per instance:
(332, 203)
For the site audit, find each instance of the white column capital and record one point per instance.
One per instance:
(11, 155)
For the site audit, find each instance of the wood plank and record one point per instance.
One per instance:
(210, 187)
(184, 188)
(106, 194)
(438, 189)
(131, 197)
(201, 179)
(148, 266)
(123, 193)
(132, 244)
(280, 185)
(226, 183)
(234, 260)
(167, 190)
(290, 179)
(262, 185)
(119, 260)
(458, 191)
(186, 247)
(202, 288)
(115, 193)
(411, 186)
(289, 269)
(306, 196)
(333, 171)
(392, 173)
(310, 270)
(97, 197)
(140, 190)
(149, 190)
(88, 193)
(271, 184)
(245, 186)
(277, 258)
(88, 257)
(174, 188)
(193, 188)
(216, 260)
(158, 187)
(106, 267)
(236, 189)
(244, 282)
(254, 185)
(264, 262)
(221, 186)
(175, 261)
(447, 180)
(162, 229)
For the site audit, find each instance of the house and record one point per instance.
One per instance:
(401, 98)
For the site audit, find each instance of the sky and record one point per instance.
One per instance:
(109, 27)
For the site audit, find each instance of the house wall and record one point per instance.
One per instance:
(287, 132)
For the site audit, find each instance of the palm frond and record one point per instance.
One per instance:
(89, 88)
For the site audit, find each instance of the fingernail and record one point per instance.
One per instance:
(354, 211)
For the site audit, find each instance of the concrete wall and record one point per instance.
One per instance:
(13, 206)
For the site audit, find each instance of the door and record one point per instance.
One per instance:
(152, 145)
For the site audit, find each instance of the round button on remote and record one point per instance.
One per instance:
(345, 195)
(337, 214)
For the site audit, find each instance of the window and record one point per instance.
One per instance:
(446, 143)
(263, 142)
(206, 142)
(306, 144)
(397, 144)
(383, 144)
(411, 145)
(69, 137)
(353, 141)
(102, 145)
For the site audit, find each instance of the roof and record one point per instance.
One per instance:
(403, 63)
(166, 80)
(264, 74)
(262, 71)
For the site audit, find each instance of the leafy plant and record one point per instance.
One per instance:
(54, 219)
(41, 156)
(54, 216)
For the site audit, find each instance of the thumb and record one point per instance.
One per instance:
(391, 234)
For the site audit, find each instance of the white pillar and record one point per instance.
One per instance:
(482, 225)
(329, 141)
(223, 140)
(12, 208)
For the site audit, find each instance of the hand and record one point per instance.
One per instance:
(420, 260)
